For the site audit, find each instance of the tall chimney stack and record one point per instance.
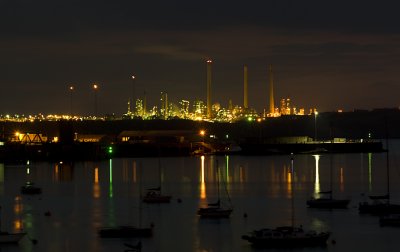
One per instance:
(271, 92)
(209, 63)
(245, 88)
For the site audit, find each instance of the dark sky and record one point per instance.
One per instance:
(325, 54)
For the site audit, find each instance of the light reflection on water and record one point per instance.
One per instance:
(85, 196)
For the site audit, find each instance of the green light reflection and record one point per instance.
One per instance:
(370, 171)
(111, 186)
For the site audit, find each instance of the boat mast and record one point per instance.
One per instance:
(159, 173)
(292, 196)
(387, 163)
(216, 162)
(331, 165)
(140, 193)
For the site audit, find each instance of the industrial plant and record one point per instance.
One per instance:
(212, 110)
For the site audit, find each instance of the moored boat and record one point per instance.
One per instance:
(125, 231)
(154, 195)
(6, 237)
(30, 188)
(325, 199)
(379, 205)
(214, 211)
(217, 209)
(392, 220)
(286, 236)
(327, 203)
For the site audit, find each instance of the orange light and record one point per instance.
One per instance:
(202, 132)
(95, 86)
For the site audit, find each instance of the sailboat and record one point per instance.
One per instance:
(327, 201)
(127, 231)
(380, 204)
(6, 237)
(286, 236)
(154, 195)
(392, 220)
(216, 210)
(30, 188)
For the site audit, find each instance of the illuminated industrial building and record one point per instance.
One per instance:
(184, 110)
(164, 105)
(198, 110)
(285, 106)
(139, 108)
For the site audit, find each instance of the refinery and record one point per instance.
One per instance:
(197, 110)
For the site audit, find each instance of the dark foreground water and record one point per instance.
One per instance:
(82, 197)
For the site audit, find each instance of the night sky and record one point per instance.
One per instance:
(325, 54)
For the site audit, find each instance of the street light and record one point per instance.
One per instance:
(71, 90)
(315, 125)
(95, 88)
(202, 134)
(133, 94)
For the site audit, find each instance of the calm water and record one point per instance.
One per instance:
(85, 196)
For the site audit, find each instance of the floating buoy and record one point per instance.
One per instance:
(179, 200)
(333, 241)
(151, 224)
(47, 213)
(245, 215)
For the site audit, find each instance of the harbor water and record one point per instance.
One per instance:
(79, 198)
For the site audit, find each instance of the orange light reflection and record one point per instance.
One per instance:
(202, 182)
(96, 186)
(341, 179)
(289, 182)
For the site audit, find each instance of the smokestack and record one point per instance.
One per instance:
(271, 92)
(166, 107)
(144, 104)
(245, 87)
(209, 63)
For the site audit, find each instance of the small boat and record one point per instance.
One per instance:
(392, 220)
(133, 248)
(30, 188)
(127, 231)
(124, 232)
(216, 210)
(153, 195)
(380, 204)
(6, 237)
(286, 236)
(327, 202)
